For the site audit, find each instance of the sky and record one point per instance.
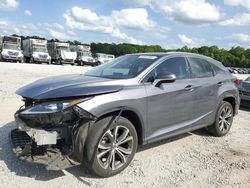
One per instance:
(169, 23)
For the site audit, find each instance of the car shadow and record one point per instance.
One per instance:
(33, 170)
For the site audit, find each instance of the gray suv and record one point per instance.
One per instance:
(100, 117)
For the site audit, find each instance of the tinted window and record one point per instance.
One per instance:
(200, 68)
(216, 69)
(176, 65)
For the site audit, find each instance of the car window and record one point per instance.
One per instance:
(200, 68)
(216, 69)
(123, 67)
(176, 65)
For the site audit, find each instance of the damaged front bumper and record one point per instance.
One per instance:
(53, 139)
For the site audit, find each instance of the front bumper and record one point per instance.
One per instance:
(25, 149)
(37, 138)
(68, 61)
(11, 58)
(41, 60)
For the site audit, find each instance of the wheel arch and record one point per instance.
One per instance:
(132, 116)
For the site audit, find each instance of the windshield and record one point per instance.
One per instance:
(248, 79)
(87, 54)
(11, 47)
(64, 48)
(124, 67)
(40, 49)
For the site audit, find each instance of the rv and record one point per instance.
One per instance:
(60, 53)
(10, 49)
(35, 51)
(84, 56)
(103, 58)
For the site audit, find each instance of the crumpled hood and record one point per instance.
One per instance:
(68, 55)
(67, 86)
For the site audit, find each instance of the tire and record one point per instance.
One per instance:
(223, 121)
(100, 146)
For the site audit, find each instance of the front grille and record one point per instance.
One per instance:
(43, 56)
(13, 53)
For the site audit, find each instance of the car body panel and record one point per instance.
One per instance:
(67, 86)
(163, 111)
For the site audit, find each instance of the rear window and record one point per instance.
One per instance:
(200, 68)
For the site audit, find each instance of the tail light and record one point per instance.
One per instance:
(237, 82)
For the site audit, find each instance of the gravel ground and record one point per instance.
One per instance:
(191, 160)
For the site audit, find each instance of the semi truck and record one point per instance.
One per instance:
(10, 49)
(35, 51)
(60, 53)
(103, 58)
(84, 55)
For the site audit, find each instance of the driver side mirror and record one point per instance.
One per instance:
(164, 77)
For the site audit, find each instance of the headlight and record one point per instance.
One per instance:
(52, 107)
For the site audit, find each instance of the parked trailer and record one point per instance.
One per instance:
(35, 51)
(103, 58)
(84, 55)
(60, 53)
(10, 49)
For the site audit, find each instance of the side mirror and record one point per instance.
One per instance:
(164, 77)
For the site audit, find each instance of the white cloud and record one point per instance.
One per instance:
(191, 42)
(112, 24)
(3, 23)
(240, 38)
(186, 40)
(238, 20)
(185, 11)
(46, 30)
(8, 5)
(58, 26)
(60, 35)
(84, 15)
(243, 3)
(27, 13)
(136, 18)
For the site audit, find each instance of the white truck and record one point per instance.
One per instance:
(35, 51)
(103, 58)
(10, 49)
(60, 53)
(84, 55)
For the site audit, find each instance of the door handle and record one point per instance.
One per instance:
(220, 83)
(189, 88)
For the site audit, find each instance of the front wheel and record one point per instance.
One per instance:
(224, 120)
(111, 147)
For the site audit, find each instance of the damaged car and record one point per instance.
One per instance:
(100, 117)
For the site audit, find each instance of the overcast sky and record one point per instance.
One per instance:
(169, 23)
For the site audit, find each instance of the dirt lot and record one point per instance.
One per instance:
(191, 160)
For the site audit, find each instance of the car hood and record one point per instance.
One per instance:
(68, 86)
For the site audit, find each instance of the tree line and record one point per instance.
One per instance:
(234, 57)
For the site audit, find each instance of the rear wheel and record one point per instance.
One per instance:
(111, 148)
(224, 120)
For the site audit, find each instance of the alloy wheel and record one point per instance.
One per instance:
(115, 147)
(225, 119)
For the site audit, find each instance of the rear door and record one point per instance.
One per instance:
(170, 106)
(205, 93)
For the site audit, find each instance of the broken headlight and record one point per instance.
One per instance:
(52, 107)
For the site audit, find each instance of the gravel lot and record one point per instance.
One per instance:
(191, 160)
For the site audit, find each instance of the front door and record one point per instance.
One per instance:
(170, 106)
